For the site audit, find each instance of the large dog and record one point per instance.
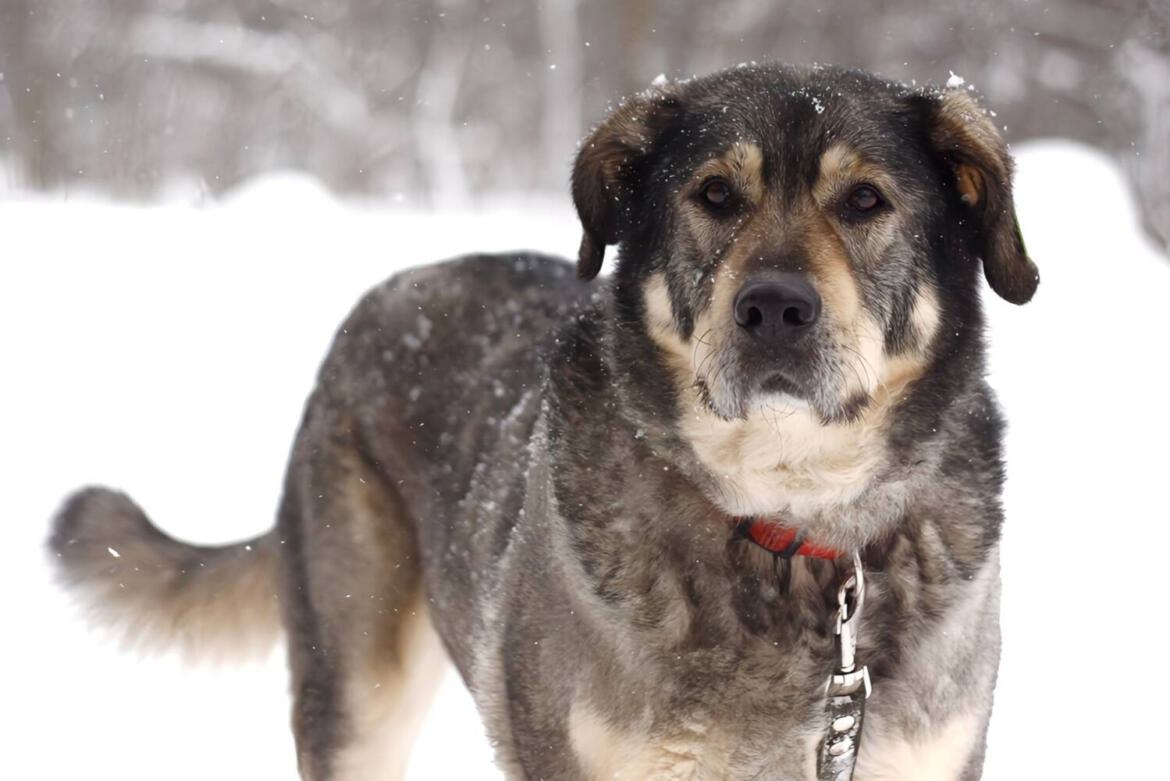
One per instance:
(626, 508)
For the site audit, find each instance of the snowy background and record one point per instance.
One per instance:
(445, 101)
(193, 193)
(167, 350)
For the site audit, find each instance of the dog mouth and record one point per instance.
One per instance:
(779, 384)
(740, 391)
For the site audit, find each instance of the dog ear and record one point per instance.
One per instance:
(964, 136)
(607, 173)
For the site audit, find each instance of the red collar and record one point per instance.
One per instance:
(782, 541)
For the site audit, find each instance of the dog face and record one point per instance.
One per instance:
(788, 227)
(792, 238)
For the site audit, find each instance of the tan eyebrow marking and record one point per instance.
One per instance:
(841, 165)
(742, 166)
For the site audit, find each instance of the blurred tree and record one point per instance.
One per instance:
(444, 100)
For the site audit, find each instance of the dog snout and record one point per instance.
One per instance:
(778, 307)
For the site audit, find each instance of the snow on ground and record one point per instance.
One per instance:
(167, 351)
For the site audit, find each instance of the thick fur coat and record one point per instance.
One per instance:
(543, 474)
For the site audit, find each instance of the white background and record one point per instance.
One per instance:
(167, 351)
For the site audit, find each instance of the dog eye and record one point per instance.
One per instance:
(716, 194)
(864, 198)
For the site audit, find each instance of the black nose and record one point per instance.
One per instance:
(783, 304)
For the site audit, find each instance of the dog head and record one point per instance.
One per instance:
(798, 240)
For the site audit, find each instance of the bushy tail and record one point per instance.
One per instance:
(157, 592)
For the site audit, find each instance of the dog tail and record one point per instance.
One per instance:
(158, 592)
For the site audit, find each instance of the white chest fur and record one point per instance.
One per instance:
(608, 752)
(782, 460)
(939, 756)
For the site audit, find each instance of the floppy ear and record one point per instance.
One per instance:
(607, 173)
(965, 137)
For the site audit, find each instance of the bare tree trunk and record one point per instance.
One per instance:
(25, 77)
(561, 116)
(435, 133)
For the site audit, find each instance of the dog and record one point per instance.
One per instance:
(626, 509)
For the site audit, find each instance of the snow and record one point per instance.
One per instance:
(167, 350)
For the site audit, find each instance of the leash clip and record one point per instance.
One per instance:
(848, 677)
(849, 685)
